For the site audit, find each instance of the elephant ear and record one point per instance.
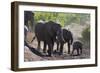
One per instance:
(49, 28)
(56, 27)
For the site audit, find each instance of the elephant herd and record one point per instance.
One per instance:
(51, 32)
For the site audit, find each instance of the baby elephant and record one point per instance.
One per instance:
(77, 45)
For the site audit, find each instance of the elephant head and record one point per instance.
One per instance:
(59, 36)
(59, 32)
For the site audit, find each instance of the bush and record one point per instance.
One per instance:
(86, 38)
(86, 34)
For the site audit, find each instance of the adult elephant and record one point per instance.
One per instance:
(67, 38)
(29, 19)
(47, 32)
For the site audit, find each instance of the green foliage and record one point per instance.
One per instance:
(63, 18)
(84, 18)
(86, 34)
(73, 18)
(86, 38)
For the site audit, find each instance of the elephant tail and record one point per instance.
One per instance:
(33, 39)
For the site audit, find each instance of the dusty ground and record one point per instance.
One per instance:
(30, 56)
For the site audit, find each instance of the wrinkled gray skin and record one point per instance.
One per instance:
(67, 38)
(47, 32)
(77, 45)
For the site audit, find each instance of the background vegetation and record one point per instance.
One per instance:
(63, 18)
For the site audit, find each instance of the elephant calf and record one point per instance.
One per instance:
(77, 45)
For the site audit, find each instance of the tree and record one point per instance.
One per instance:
(63, 18)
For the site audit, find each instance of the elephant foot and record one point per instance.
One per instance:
(78, 54)
(68, 52)
(72, 53)
(48, 55)
(55, 52)
(59, 53)
(75, 55)
(44, 51)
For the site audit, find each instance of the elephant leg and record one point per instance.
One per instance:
(38, 46)
(68, 48)
(57, 46)
(44, 48)
(50, 49)
(73, 51)
(78, 52)
(81, 50)
(52, 44)
(61, 48)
